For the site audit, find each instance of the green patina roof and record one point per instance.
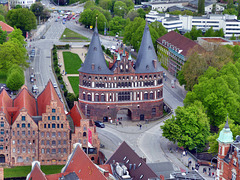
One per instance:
(225, 135)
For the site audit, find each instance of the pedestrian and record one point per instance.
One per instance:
(140, 126)
(212, 174)
(203, 170)
(192, 168)
(186, 153)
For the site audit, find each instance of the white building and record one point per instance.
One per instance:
(229, 23)
(23, 3)
(162, 6)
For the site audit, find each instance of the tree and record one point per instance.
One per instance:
(238, 9)
(210, 33)
(197, 63)
(11, 53)
(214, 9)
(187, 12)
(117, 24)
(189, 128)
(95, 14)
(132, 14)
(219, 33)
(22, 18)
(231, 11)
(230, 4)
(101, 22)
(201, 7)
(17, 33)
(2, 18)
(86, 17)
(70, 99)
(15, 81)
(89, 4)
(160, 29)
(3, 36)
(141, 13)
(3, 10)
(18, 6)
(37, 9)
(233, 37)
(180, 77)
(106, 4)
(129, 4)
(120, 8)
(194, 33)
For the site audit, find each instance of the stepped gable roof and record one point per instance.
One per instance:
(5, 102)
(6, 27)
(26, 100)
(95, 62)
(124, 150)
(82, 165)
(36, 173)
(180, 42)
(46, 96)
(146, 55)
(76, 115)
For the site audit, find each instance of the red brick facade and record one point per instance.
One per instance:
(104, 95)
(28, 132)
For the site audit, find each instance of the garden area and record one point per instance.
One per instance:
(72, 62)
(74, 81)
(23, 171)
(69, 35)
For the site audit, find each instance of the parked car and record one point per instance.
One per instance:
(99, 124)
(55, 85)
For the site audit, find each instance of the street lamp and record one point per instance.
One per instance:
(196, 151)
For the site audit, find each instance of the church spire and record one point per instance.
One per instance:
(147, 61)
(95, 62)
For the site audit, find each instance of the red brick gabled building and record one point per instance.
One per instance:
(6, 27)
(228, 167)
(133, 88)
(85, 133)
(78, 166)
(37, 129)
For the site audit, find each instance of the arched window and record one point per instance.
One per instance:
(89, 97)
(145, 96)
(151, 95)
(84, 134)
(97, 98)
(102, 98)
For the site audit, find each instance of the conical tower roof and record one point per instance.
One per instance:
(146, 55)
(95, 62)
(225, 135)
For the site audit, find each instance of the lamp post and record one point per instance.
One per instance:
(196, 151)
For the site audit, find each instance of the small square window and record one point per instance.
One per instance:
(53, 110)
(61, 125)
(58, 118)
(45, 126)
(57, 125)
(18, 125)
(53, 125)
(23, 118)
(49, 126)
(2, 124)
(48, 117)
(53, 117)
(33, 132)
(29, 125)
(23, 125)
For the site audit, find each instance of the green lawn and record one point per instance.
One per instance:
(69, 35)
(23, 171)
(74, 81)
(72, 62)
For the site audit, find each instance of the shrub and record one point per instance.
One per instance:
(67, 46)
(57, 70)
(60, 77)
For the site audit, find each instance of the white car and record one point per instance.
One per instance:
(55, 85)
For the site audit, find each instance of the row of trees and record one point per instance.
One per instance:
(13, 56)
(122, 12)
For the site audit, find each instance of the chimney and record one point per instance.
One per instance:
(155, 63)
(130, 166)
(106, 173)
(93, 66)
(134, 166)
(144, 159)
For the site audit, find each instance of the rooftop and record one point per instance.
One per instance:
(6, 27)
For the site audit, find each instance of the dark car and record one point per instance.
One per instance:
(99, 124)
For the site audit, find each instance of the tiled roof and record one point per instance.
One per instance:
(5, 102)
(209, 39)
(26, 100)
(6, 27)
(75, 115)
(80, 163)
(66, 176)
(126, 155)
(179, 41)
(44, 99)
(36, 173)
